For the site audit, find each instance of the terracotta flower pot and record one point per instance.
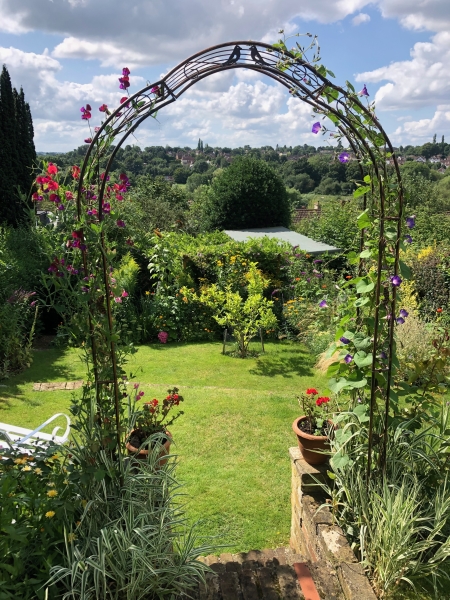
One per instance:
(310, 444)
(143, 454)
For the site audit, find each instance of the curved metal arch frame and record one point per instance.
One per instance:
(304, 81)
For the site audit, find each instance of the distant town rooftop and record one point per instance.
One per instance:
(286, 235)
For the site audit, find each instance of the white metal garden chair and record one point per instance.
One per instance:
(17, 437)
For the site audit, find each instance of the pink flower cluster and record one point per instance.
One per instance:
(163, 337)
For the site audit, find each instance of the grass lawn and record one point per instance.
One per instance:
(232, 441)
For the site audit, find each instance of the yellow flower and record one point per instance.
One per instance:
(27, 468)
(50, 514)
(71, 537)
(38, 471)
(147, 293)
(185, 299)
(52, 493)
(20, 461)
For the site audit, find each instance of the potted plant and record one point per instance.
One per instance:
(313, 427)
(151, 423)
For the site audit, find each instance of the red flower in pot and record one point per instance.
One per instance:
(151, 424)
(313, 428)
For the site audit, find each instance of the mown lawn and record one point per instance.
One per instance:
(232, 441)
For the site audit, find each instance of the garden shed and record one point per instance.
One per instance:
(283, 234)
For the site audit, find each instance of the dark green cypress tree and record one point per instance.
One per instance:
(25, 143)
(17, 152)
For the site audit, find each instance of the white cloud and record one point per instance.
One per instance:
(361, 18)
(421, 81)
(431, 15)
(422, 130)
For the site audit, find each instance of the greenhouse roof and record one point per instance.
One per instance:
(286, 235)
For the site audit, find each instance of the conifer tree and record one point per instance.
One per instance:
(17, 152)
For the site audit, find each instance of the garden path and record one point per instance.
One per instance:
(268, 575)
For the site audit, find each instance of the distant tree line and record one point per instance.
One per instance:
(17, 151)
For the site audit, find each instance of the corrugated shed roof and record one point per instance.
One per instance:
(281, 233)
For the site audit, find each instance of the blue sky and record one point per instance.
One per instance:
(66, 53)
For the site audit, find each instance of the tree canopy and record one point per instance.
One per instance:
(249, 193)
(17, 152)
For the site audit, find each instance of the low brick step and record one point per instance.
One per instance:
(266, 575)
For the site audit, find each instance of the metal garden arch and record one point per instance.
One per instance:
(353, 121)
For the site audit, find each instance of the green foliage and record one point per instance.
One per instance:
(17, 323)
(399, 520)
(155, 204)
(244, 315)
(38, 501)
(334, 226)
(249, 193)
(432, 281)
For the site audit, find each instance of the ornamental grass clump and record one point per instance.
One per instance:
(315, 408)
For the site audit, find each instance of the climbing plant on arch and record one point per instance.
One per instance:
(366, 363)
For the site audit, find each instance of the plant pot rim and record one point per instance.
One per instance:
(144, 452)
(308, 436)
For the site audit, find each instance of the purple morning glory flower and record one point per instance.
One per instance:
(316, 127)
(323, 304)
(363, 92)
(404, 313)
(344, 340)
(120, 223)
(383, 355)
(344, 157)
(408, 239)
(400, 320)
(395, 280)
(411, 221)
(85, 289)
(318, 260)
(348, 358)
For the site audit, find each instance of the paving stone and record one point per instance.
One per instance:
(287, 579)
(248, 584)
(210, 590)
(280, 556)
(229, 586)
(267, 584)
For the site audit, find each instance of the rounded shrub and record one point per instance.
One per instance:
(249, 193)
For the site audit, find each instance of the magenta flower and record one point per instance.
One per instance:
(411, 221)
(122, 100)
(103, 108)
(323, 304)
(118, 300)
(344, 157)
(124, 82)
(126, 71)
(69, 195)
(88, 140)
(155, 90)
(61, 207)
(348, 358)
(106, 207)
(86, 112)
(395, 280)
(120, 223)
(316, 127)
(162, 337)
(125, 294)
(363, 92)
(129, 242)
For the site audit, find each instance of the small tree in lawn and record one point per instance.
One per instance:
(245, 315)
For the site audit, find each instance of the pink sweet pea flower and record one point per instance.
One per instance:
(125, 294)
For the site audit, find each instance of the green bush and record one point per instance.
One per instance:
(38, 502)
(335, 225)
(249, 193)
